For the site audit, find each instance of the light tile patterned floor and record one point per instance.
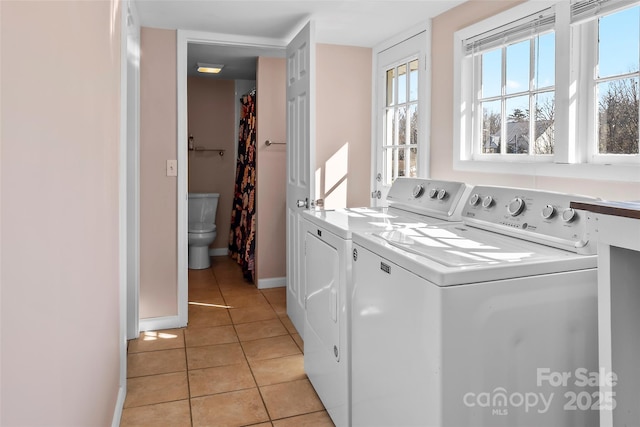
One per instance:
(238, 363)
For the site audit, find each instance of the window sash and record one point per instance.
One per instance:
(513, 32)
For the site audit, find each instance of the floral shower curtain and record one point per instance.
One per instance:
(243, 223)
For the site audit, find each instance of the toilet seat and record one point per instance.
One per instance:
(201, 227)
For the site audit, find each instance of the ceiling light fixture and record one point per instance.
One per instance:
(209, 68)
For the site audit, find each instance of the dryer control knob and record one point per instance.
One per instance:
(474, 199)
(433, 193)
(569, 215)
(442, 194)
(418, 190)
(548, 211)
(515, 207)
(487, 201)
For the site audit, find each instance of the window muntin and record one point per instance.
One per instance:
(401, 127)
(517, 79)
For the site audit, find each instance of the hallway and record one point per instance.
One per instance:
(238, 363)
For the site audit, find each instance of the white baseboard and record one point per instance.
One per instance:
(273, 282)
(117, 413)
(218, 251)
(157, 323)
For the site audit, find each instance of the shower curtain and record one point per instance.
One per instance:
(243, 223)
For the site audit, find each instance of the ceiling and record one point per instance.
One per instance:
(364, 23)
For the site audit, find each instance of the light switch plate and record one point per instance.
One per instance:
(172, 168)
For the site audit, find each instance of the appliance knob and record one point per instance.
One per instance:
(515, 207)
(548, 211)
(433, 193)
(418, 190)
(474, 199)
(487, 201)
(442, 194)
(568, 215)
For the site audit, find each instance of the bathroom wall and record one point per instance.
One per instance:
(212, 122)
(59, 210)
(158, 192)
(271, 164)
(442, 142)
(343, 125)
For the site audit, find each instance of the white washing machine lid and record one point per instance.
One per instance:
(343, 222)
(455, 254)
(201, 227)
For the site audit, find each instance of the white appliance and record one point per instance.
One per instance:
(490, 322)
(327, 273)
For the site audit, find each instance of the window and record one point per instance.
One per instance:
(400, 144)
(551, 90)
(615, 83)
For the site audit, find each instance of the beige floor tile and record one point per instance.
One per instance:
(315, 419)
(280, 308)
(170, 414)
(202, 279)
(157, 340)
(156, 362)
(237, 408)
(206, 296)
(275, 294)
(298, 339)
(195, 337)
(261, 425)
(279, 370)
(262, 329)
(214, 355)
(156, 389)
(289, 325)
(208, 315)
(245, 299)
(220, 379)
(289, 399)
(252, 314)
(269, 348)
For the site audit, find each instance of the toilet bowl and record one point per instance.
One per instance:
(202, 228)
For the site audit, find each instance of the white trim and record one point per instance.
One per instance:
(117, 413)
(272, 282)
(602, 172)
(183, 38)
(159, 323)
(218, 251)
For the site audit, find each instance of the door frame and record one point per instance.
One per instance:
(424, 141)
(184, 37)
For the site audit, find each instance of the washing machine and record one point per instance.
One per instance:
(327, 273)
(488, 322)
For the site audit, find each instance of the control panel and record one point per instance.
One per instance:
(440, 199)
(535, 215)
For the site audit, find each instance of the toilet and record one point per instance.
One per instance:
(202, 228)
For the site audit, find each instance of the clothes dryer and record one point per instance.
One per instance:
(488, 322)
(327, 273)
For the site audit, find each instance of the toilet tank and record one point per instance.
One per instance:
(203, 207)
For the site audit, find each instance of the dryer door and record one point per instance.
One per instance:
(323, 282)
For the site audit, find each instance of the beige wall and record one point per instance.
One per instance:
(158, 192)
(211, 112)
(60, 140)
(271, 190)
(442, 115)
(343, 125)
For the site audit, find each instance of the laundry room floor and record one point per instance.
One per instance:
(238, 363)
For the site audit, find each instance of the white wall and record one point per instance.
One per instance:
(60, 138)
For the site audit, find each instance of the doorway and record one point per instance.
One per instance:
(247, 51)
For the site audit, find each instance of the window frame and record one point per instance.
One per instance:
(573, 99)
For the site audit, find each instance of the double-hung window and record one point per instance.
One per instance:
(550, 88)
